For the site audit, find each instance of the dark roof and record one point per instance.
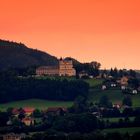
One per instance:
(47, 67)
(55, 109)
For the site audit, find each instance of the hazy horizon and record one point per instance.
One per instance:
(88, 30)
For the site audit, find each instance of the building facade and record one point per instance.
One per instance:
(65, 68)
(13, 136)
(47, 70)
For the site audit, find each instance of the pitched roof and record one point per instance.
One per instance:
(54, 109)
(28, 109)
(15, 111)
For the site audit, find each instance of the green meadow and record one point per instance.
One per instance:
(115, 95)
(94, 82)
(114, 120)
(36, 103)
(123, 130)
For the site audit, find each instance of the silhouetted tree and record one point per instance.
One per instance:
(105, 102)
(127, 101)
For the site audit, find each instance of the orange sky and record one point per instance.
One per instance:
(107, 31)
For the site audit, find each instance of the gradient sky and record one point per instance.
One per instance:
(107, 31)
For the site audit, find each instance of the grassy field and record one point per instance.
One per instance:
(117, 119)
(36, 103)
(123, 130)
(41, 104)
(94, 82)
(115, 95)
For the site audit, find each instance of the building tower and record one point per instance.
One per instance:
(66, 67)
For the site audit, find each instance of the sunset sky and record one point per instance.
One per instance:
(107, 31)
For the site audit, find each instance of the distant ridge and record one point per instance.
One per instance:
(17, 55)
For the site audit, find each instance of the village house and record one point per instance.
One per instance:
(9, 122)
(97, 114)
(27, 113)
(15, 112)
(117, 105)
(13, 136)
(65, 68)
(134, 91)
(83, 74)
(28, 110)
(104, 87)
(28, 121)
(56, 110)
(113, 84)
(123, 87)
(123, 81)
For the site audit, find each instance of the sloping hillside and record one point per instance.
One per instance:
(17, 55)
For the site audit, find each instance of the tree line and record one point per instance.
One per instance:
(13, 88)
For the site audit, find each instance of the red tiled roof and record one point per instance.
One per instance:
(15, 111)
(28, 109)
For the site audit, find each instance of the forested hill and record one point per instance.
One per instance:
(17, 55)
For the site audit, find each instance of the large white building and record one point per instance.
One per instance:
(65, 68)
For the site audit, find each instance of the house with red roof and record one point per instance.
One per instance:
(28, 110)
